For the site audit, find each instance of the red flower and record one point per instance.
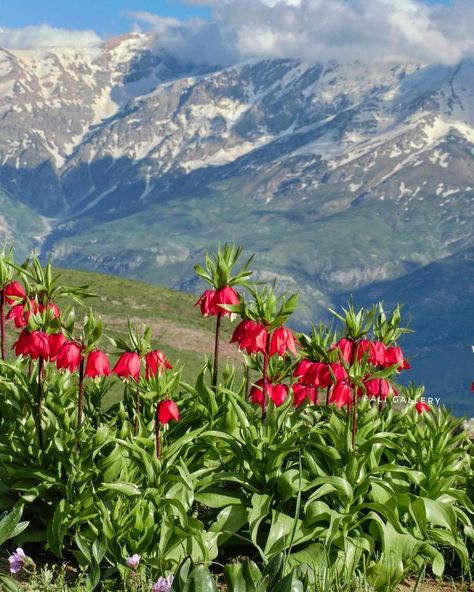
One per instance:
(277, 393)
(302, 367)
(167, 410)
(13, 291)
(20, 313)
(394, 355)
(97, 364)
(302, 393)
(376, 350)
(69, 356)
(472, 386)
(377, 387)
(211, 300)
(341, 394)
(35, 345)
(156, 361)
(251, 336)
(128, 365)
(420, 407)
(56, 341)
(347, 348)
(339, 371)
(53, 308)
(281, 341)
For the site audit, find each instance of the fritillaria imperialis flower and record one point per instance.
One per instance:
(167, 410)
(134, 561)
(251, 336)
(163, 584)
(420, 407)
(394, 355)
(13, 291)
(69, 356)
(20, 313)
(303, 393)
(282, 340)
(376, 351)
(17, 560)
(128, 365)
(347, 349)
(341, 394)
(376, 387)
(56, 341)
(276, 392)
(155, 361)
(35, 345)
(97, 365)
(211, 300)
(53, 308)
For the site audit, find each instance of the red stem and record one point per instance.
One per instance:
(216, 352)
(2, 323)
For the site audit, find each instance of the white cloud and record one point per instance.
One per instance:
(45, 36)
(343, 30)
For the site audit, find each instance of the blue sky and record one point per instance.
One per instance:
(105, 17)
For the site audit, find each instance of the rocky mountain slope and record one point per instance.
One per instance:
(344, 178)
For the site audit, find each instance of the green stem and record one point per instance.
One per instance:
(80, 400)
(157, 433)
(2, 323)
(39, 403)
(215, 370)
(354, 417)
(137, 411)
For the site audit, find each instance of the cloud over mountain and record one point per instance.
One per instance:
(45, 36)
(342, 30)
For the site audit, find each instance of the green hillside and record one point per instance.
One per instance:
(178, 328)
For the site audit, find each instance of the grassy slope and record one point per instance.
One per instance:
(179, 330)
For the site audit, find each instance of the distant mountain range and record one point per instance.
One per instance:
(344, 179)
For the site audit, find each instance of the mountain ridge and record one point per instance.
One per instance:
(340, 176)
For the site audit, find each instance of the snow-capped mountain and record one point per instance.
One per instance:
(122, 159)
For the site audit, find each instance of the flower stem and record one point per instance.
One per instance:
(354, 417)
(2, 323)
(327, 395)
(39, 403)
(215, 369)
(157, 434)
(137, 411)
(80, 401)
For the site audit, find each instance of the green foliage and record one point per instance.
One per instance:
(310, 510)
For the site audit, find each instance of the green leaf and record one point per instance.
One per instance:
(124, 487)
(9, 523)
(202, 580)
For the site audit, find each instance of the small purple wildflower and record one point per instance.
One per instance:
(17, 560)
(163, 584)
(134, 561)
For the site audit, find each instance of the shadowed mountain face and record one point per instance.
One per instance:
(343, 178)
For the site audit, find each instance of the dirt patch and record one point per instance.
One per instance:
(434, 586)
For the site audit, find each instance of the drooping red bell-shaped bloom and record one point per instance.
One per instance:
(167, 410)
(13, 292)
(315, 374)
(277, 393)
(346, 348)
(377, 387)
(52, 308)
(374, 349)
(282, 340)
(251, 336)
(35, 345)
(97, 364)
(69, 356)
(155, 361)
(128, 365)
(302, 393)
(420, 407)
(56, 341)
(211, 300)
(394, 355)
(301, 368)
(341, 394)
(338, 371)
(20, 313)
